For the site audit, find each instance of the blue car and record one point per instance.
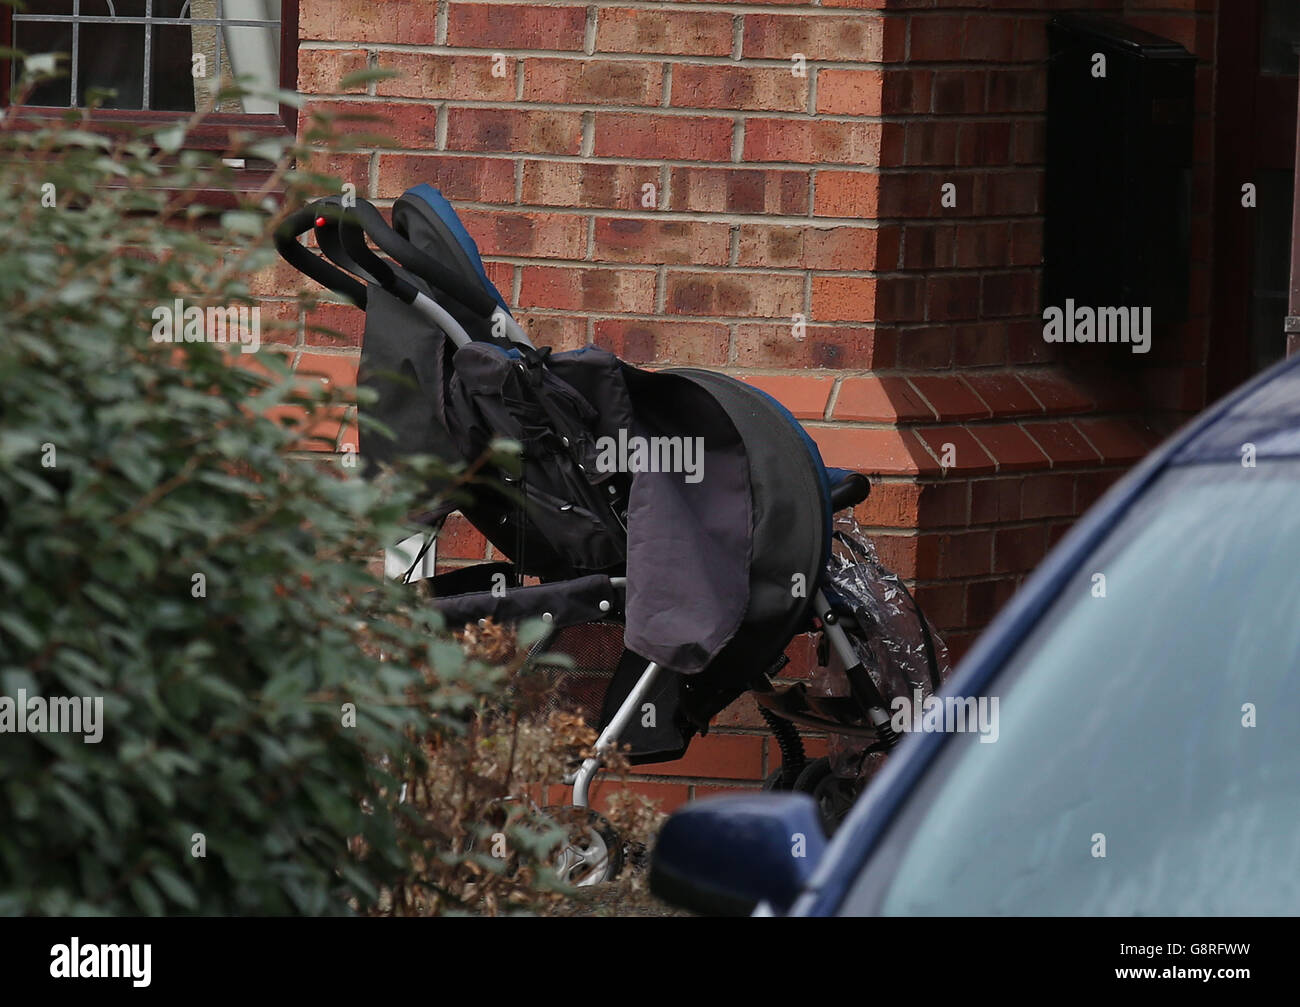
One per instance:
(1146, 753)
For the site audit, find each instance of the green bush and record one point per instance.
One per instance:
(169, 548)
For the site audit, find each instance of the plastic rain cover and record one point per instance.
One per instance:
(897, 645)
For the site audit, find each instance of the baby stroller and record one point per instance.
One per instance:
(678, 524)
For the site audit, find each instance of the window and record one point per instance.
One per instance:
(1128, 717)
(147, 59)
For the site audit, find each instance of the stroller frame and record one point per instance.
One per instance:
(444, 298)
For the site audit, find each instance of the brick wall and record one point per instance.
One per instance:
(657, 179)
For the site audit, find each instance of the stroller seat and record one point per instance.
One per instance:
(674, 585)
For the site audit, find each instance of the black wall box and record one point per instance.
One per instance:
(1119, 168)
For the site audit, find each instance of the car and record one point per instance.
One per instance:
(1147, 752)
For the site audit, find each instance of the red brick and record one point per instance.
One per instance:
(354, 168)
(565, 331)
(951, 398)
(1004, 394)
(1062, 443)
(857, 38)
(404, 21)
(331, 370)
(592, 81)
(907, 91)
(680, 137)
(880, 400)
(600, 289)
(943, 503)
(843, 298)
(679, 32)
(1017, 90)
(514, 130)
(432, 75)
(846, 194)
(943, 604)
(949, 298)
(1047, 496)
(630, 239)
(718, 756)
(982, 144)
(980, 345)
(1019, 550)
(985, 598)
(320, 71)
(547, 235)
(1008, 294)
(461, 540)
(1090, 486)
(515, 26)
(890, 504)
(850, 92)
(968, 455)
(1010, 447)
(970, 38)
(812, 141)
(1117, 441)
(959, 554)
(739, 190)
(866, 449)
(995, 501)
(335, 325)
(408, 124)
(822, 346)
(926, 348)
(957, 91)
(664, 341)
(982, 245)
(738, 87)
(804, 395)
(770, 245)
(572, 183)
(733, 294)
(821, 248)
(901, 554)
(741, 713)
(855, 248)
(469, 178)
(930, 142)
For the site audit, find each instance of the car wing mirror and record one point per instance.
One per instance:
(725, 855)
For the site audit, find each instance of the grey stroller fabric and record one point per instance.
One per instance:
(688, 543)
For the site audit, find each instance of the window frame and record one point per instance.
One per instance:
(213, 133)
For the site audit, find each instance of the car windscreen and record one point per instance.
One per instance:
(1147, 752)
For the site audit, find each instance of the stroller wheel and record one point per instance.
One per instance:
(593, 852)
(833, 794)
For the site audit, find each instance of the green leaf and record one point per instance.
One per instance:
(175, 887)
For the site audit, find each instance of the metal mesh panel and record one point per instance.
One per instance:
(594, 648)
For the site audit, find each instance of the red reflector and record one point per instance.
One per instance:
(321, 221)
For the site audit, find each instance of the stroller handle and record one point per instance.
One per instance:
(849, 491)
(333, 278)
(307, 262)
(423, 265)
